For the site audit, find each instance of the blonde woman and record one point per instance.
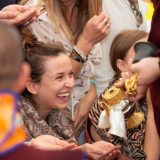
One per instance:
(78, 25)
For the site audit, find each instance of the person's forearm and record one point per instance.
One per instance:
(91, 95)
(152, 142)
(85, 47)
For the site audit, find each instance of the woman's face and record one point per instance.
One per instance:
(124, 64)
(57, 83)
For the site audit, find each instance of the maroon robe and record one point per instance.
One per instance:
(154, 37)
(29, 153)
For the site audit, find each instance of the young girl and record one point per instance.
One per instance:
(122, 49)
(44, 103)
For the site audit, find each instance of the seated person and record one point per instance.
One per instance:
(133, 134)
(13, 75)
(44, 102)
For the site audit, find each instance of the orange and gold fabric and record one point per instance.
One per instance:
(12, 133)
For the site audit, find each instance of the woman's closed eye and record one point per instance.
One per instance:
(71, 74)
(60, 77)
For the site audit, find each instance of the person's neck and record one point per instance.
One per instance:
(42, 110)
(70, 13)
(69, 7)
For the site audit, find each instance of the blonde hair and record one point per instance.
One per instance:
(55, 11)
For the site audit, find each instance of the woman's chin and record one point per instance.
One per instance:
(62, 106)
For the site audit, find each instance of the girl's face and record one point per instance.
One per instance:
(124, 64)
(53, 92)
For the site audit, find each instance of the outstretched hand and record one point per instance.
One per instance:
(101, 150)
(48, 142)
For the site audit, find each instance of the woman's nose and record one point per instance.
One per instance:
(70, 82)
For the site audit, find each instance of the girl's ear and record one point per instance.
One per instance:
(121, 65)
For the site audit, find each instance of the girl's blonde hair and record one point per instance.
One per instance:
(56, 13)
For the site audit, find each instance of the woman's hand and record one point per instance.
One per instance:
(83, 107)
(18, 15)
(101, 150)
(48, 142)
(96, 29)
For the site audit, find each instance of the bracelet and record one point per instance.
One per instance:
(93, 82)
(77, 57)
(79, 52)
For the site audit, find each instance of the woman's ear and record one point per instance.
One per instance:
(20, 82)
(32, 87)
(121, 65)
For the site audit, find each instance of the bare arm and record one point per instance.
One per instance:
(152, 142)
(96, 29)
(84, 106)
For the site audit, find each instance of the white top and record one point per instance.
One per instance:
(122, 17)
(46, 32)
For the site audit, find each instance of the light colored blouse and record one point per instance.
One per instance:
(47, 32)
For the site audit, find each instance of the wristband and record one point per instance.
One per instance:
(79, 52)
(77, 57)
(93, 82)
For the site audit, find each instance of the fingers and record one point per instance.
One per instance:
(21, 8)
(26, 16)
(61, 143)
(101, 150)
(141, 92)
(134, 67)
(100, 17)
(70, 146)
(103, 20)
(120, 83)
(113, 153)
(7, 15)
(22, 18)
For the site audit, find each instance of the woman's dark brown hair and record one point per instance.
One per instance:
(36, 54)
(121, 45)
